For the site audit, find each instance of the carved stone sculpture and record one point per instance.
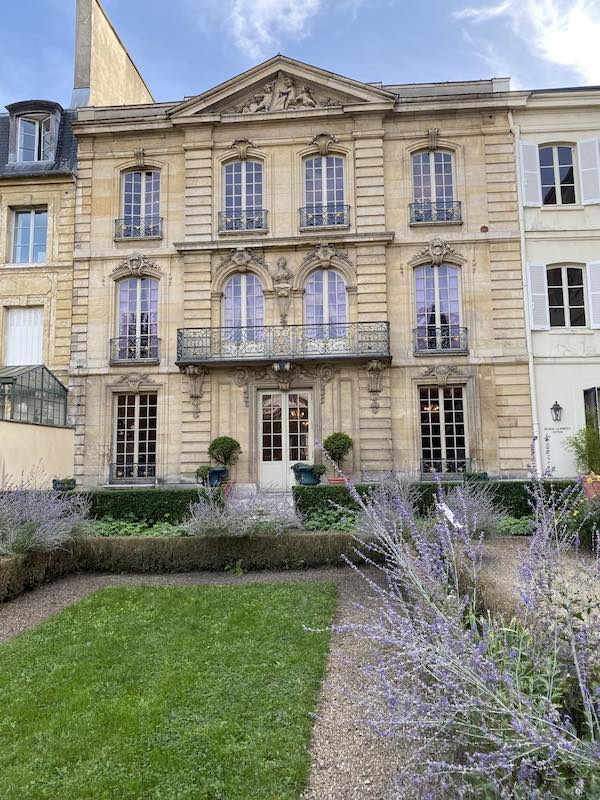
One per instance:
(284, 94)
(282, 283)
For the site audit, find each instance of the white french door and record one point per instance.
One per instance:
(285, 436)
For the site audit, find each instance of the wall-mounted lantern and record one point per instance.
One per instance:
(556, 411)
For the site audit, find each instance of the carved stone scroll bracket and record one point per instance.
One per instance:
(242, 258)
(136, 266)
(324, 254)
(139, 156)
(323, 374)
(443, 373)
(433, 135)
(374, 370)
(323, 142)
(241, 148)
(244, 376)
(196, 376)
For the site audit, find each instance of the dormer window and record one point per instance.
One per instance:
(34, 138)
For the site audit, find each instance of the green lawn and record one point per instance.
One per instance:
(200, 693)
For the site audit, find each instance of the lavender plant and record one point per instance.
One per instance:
(490, 708)
(39, 520)
(236, 516)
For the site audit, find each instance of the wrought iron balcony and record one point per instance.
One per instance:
(264, 343)
(252, 219)
(125, 349)
(325, 216)
(446, 467)
(427, 211)
(132, 473)
(441, 339)
(139, 228)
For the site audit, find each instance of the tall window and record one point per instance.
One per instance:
(433, 187)
(443, 433)
(138, 319)
(30, 233)
(135, 438)
(34, 139)
(243, 182)
(141, 205)
(557, 175)
(324, 192)
(591, 405)
(566, 297)
(23, 336)
(437, 293)
(326, 305)
(243, 309)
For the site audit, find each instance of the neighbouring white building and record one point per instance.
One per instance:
(558, 141)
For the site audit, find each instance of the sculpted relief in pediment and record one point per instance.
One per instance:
(284, 93)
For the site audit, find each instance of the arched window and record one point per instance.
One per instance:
(557, 174)
(437, 294)
(326, 305)
(324, 192)
(433, 187)
(244, 308)
(243, 182)
(137, 320)
(140, 206)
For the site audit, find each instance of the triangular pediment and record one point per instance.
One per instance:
(283, 85)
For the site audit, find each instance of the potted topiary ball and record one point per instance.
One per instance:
(202, 473)
(225, 451)
(337, 446)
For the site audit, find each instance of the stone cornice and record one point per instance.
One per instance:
(286, 241)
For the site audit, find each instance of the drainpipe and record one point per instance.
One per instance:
(516, 132)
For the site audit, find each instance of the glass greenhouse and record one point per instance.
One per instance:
(34, 395)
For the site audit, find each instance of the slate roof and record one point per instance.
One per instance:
(65, 162)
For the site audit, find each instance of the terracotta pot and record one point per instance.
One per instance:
(336, 481)
(591, 488)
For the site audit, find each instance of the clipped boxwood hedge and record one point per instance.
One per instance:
(144, 505)
(512, 496)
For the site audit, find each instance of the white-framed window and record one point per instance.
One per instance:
(23, 336)
(243, 195)
(443, 429)
(326, 304)
(34, 138)
(433, 187)
(438, 308)
(137, 319)
(30, 234)
(566, 296)
(135, 429)
(557, 174)
(324, 192)
(591, 407)
(243, 301)
(140, 205)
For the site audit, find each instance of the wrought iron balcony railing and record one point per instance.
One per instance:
(430, 467)
(325, 216)
(425, 211)
(265, 343)
(440, 339)
(252, 219)
(139, 228)
(125, 349)
(132, 473)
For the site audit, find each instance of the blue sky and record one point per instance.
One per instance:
(183, 47)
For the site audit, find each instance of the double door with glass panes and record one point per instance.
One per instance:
(285, 424)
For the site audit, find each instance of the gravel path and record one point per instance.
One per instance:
(349, 762)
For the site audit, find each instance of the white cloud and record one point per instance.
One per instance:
(563, 32)
(257, 26)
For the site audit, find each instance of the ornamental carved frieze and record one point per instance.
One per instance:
(443, 374)
(322, 374)
(135, 382)
(284, 93)
(324, 254)
(242, 258)
(196, 376)
(437, 251)
(136, 265)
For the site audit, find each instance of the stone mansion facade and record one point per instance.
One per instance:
(294, 253)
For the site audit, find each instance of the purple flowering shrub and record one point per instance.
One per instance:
(489, 708)
(263, 513)
(39, 520)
